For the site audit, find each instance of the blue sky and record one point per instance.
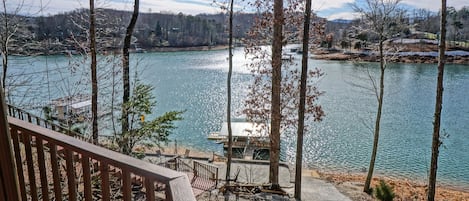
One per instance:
(331, 9)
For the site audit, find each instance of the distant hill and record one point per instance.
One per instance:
(341, 21)
(68, 32)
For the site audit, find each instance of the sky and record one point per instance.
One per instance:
(330, 9)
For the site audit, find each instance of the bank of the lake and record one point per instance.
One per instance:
(418, 51)
(192, 48)
(462, 57)
(349, 184)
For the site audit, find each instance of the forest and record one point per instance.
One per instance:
(68, 32)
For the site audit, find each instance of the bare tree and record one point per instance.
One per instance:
(125, 67)
(21, 85)
(436, 142)
(9, 27)
(8, 171)
(260, 101)
(276, 115)
(94, 79)
(379, 18)
(302, 107)
(88, 42)
(228, 107)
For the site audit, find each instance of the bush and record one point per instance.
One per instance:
(384, 192)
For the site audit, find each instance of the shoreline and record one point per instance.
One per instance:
(351, 184)
(133, 51)
(193, 48)
(408, 58)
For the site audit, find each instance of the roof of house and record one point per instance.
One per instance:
(81, 104)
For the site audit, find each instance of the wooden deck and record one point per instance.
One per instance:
(54, 166)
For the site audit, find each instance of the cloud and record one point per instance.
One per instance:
(326, 8)
(33, 7)
(184, 6)
(44, 7)
(334, 9)
(342, 16)
(435, 6)
(330, 4)
(340, 9)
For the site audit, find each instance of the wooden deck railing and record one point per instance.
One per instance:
(19, 113)
(208, 173)
(260, 144)
(203, 177)
(53, 166)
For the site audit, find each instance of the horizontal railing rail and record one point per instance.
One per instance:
(259, 144)
(53, 166)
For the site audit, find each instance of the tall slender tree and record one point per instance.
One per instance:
(276, 115)
(9, 183)
(6, 35)
(94, 79)
(228, 107)
(302, 106)
(436, 142)
(9, 26)
(260, 101)
(379, 18)
(125, 68)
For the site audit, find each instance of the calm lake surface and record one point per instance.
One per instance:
(196, 82)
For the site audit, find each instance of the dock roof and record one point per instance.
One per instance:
(245, 129)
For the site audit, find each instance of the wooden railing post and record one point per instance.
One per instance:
(9, 187)
(176, 190)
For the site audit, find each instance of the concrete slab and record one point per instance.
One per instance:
(313, 188)
(319, 190)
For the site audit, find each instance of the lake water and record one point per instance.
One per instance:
(196, 82)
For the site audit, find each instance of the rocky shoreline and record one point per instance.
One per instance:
(351, 185)
(408, 58)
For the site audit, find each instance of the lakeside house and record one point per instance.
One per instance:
(75, 108)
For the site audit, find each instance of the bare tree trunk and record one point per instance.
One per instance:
(4, 44)
(301, 108)
(94, 79)
(9, 183)
(276, 89)
(438, 105)
(228, 107)
(367, 188)
(5, 66)
(379, 18)
(125, 70)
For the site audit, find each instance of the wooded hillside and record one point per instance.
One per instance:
(68, 32)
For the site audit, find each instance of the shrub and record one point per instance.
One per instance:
(384, 192)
